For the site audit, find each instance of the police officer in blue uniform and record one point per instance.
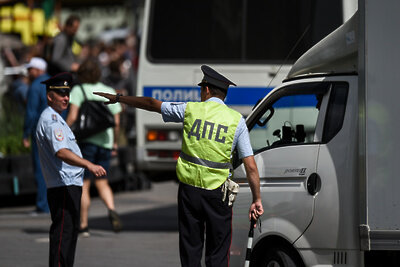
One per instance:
(211, 131)
(63, 167)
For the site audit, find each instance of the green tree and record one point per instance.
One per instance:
(11, 127)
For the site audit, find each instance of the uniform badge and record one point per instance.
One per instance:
(59, 134)
(54, 117)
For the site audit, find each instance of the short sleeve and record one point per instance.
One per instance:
(57, 136)
(76, 96)
(243, 140)
(173, 112)
(115, 108)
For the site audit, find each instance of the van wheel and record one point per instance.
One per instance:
(278, 258)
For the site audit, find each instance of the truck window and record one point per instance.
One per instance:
(335, 112)
(292, 120)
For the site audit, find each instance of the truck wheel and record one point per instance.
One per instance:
(279, 258)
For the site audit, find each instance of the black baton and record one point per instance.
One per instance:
(250, 242)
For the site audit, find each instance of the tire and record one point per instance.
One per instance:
(279, 257)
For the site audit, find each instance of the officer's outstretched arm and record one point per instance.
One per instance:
(142, 102)
(71, 158)
(256, 208)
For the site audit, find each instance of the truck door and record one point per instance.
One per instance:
(285, 131)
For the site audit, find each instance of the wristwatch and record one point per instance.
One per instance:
(117, 96)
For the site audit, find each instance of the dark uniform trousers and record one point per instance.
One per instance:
(198, 210)
(65, 204)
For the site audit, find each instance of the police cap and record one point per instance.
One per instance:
(212, 77)
(60, 82)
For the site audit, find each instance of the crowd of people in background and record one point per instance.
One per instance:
(116, 63)
(117, 59)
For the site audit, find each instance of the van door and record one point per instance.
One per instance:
(285, 132)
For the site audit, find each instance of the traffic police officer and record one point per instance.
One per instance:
(211, 131)
(63, 166)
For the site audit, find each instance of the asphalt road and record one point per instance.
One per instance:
(149, 237)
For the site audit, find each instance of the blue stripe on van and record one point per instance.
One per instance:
(246, 95)
(236, 95)
(241, 96)
(173, 93)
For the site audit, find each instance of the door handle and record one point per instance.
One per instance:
(313, 184)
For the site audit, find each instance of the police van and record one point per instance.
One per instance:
(253, 43)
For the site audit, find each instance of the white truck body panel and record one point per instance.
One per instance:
(379, 61)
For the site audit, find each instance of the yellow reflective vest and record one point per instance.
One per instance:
(208, 132)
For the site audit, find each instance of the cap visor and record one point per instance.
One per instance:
(61, 90)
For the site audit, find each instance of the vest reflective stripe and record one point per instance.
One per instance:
(208, 132)
(206, 163)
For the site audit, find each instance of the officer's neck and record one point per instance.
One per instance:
(211, 96)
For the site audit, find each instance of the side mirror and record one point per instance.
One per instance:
(271, 113)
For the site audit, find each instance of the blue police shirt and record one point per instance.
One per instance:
(175, 112)
(53, 134)
(36, 103)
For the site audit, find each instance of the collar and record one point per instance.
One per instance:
(215, 99)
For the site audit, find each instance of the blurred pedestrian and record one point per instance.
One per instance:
(118, 80)
(62, 58)
(36, 103)
(98, 148)
(119, 74)
(62, 165)
(115, 77)
(19, 87)
(17, 93)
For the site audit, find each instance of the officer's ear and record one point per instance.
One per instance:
(50, 95)
(207, 90)
(204, 92)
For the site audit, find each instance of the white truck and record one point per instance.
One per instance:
(326, 147)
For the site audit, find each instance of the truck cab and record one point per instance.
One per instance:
(300, 134)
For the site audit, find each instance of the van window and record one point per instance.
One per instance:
(290, 120)
(239, 31)
(336, 111)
